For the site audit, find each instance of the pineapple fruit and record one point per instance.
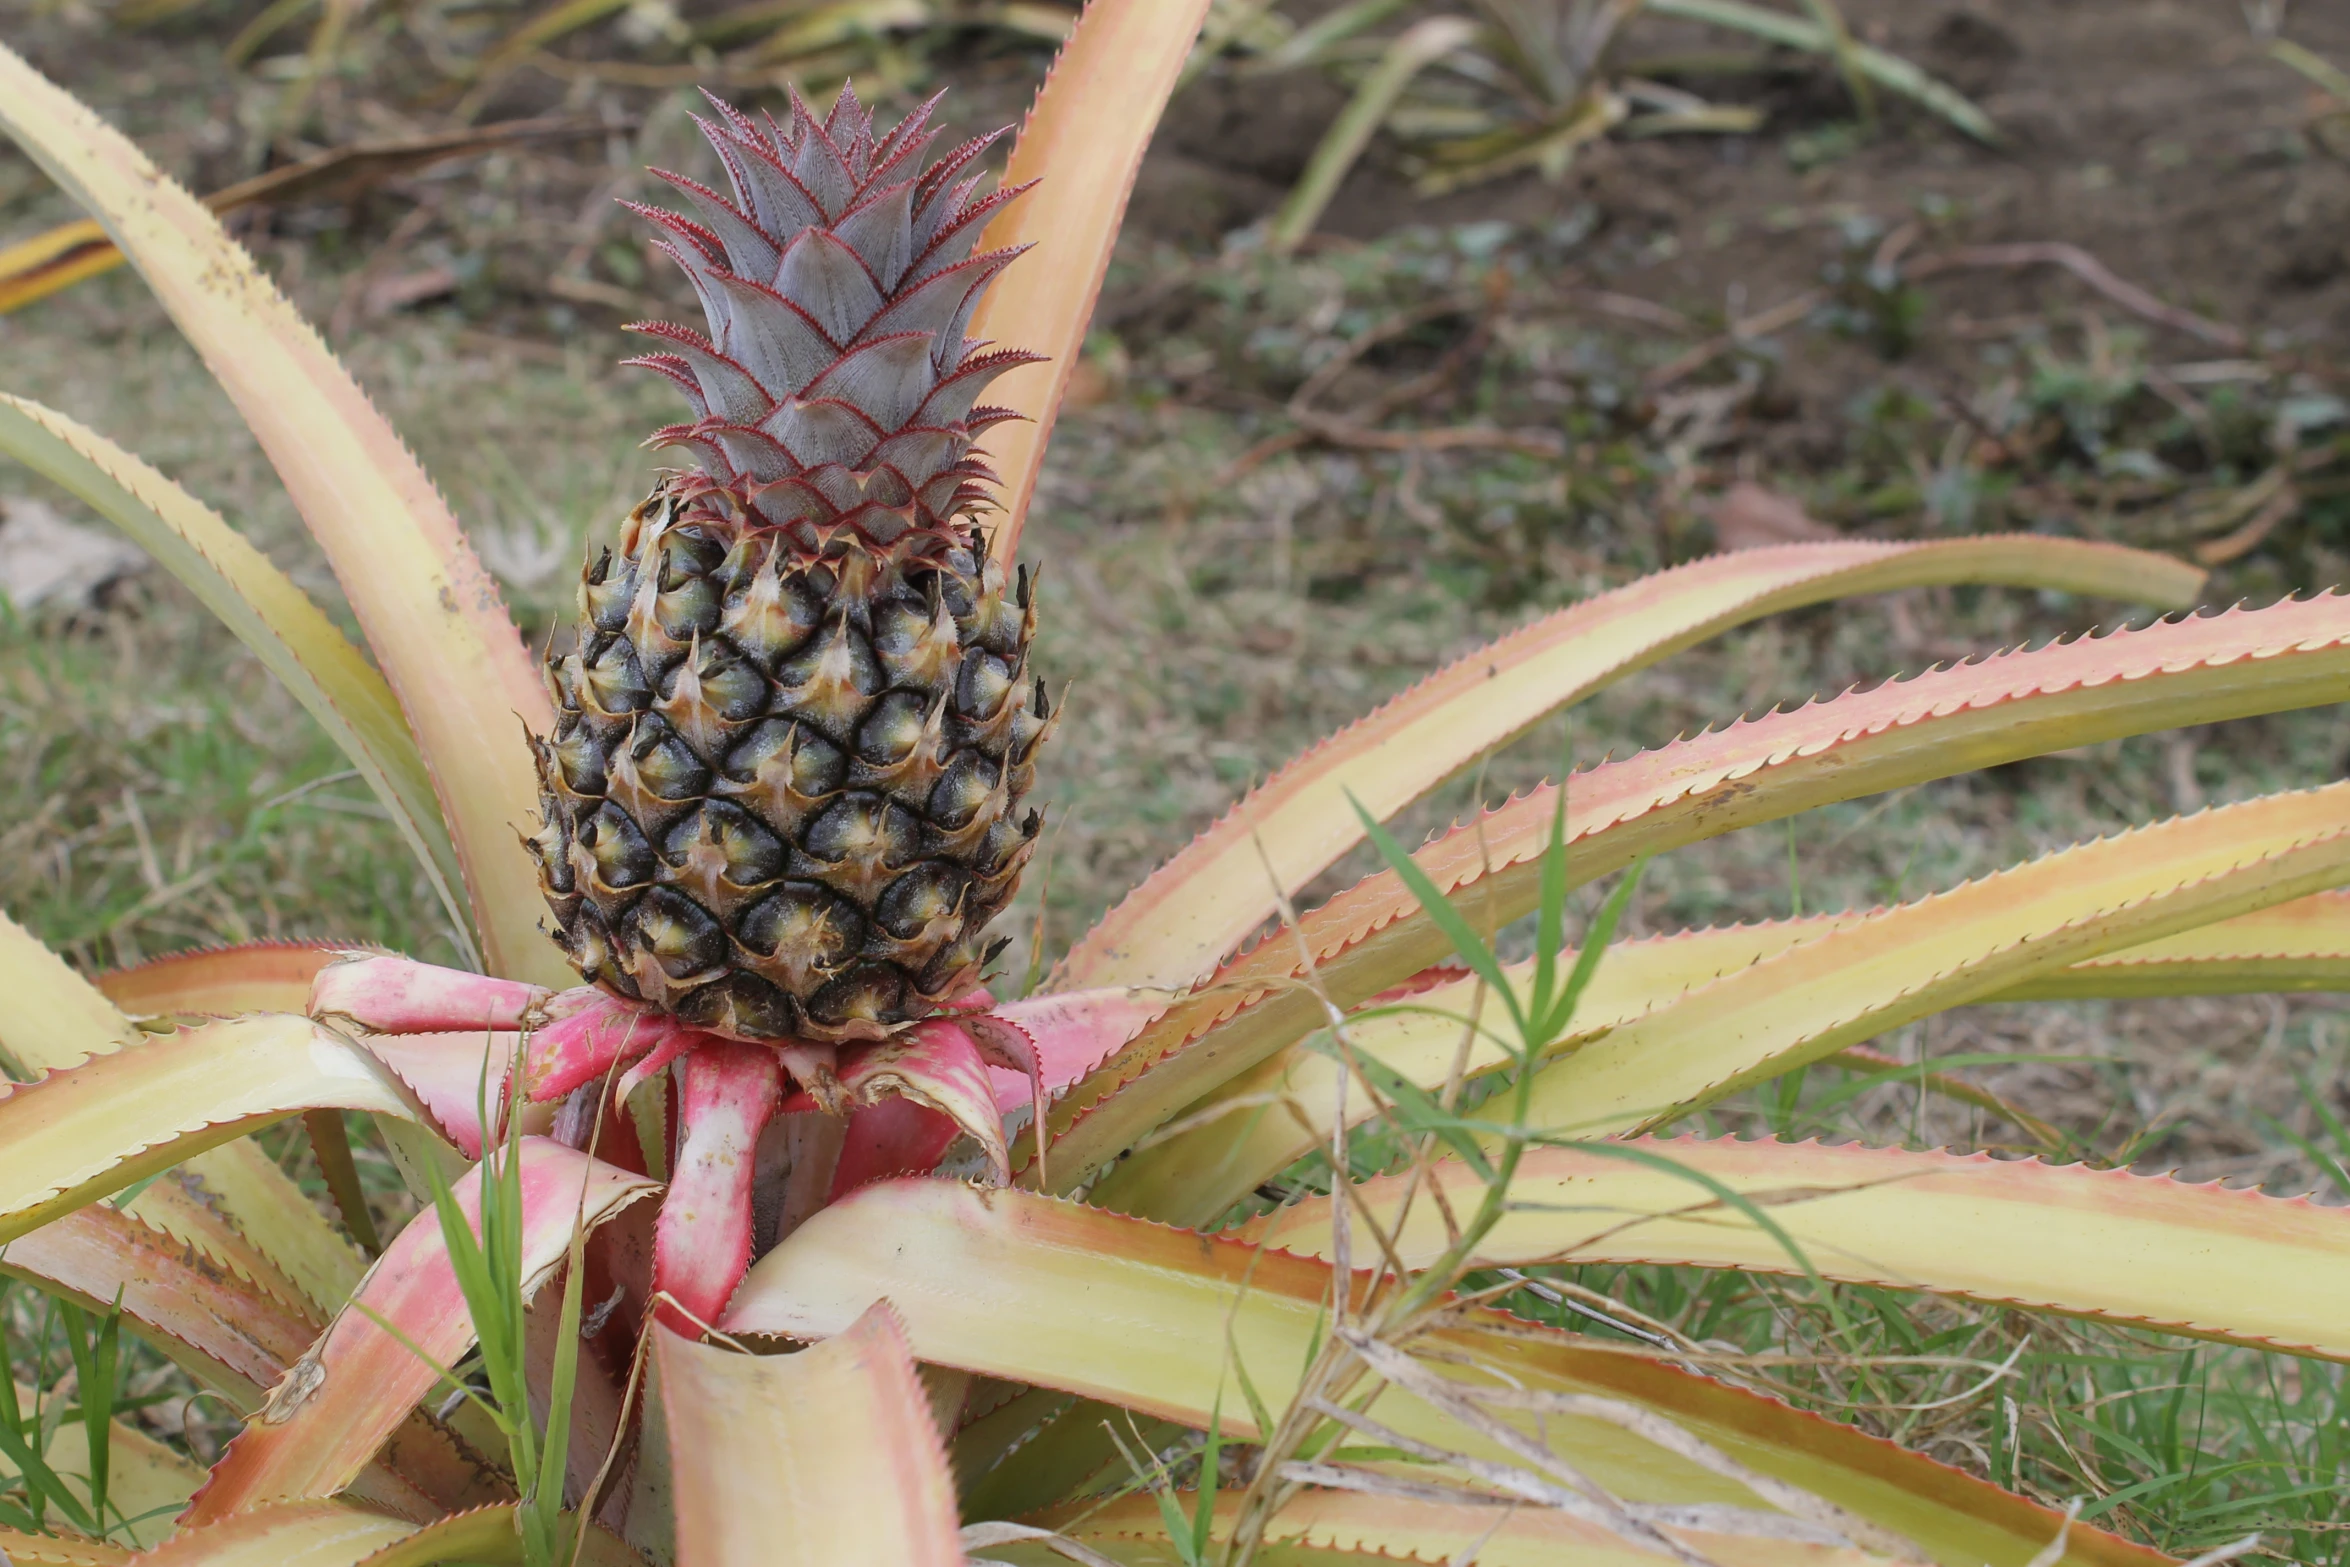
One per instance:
(783, 796)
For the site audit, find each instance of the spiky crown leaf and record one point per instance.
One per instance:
(835, 396)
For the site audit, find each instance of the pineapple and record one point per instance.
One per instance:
(783, 795)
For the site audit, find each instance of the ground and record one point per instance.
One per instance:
(1232, 568)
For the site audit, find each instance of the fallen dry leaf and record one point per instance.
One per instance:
(1748, 514)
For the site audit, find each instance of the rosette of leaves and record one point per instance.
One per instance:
(1087, 1361)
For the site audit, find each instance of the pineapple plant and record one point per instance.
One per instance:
(783, 795)
(819, 618)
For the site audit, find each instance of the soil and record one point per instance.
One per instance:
(2159, 137)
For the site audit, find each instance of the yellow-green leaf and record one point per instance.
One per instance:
(1208, 898)
(2224, 1264)
(264, 1210)
(807, 1460)
(1233, 1145)
(1084, 138)
(484, 1537)
(1939, 952)
(229, 1335)
(1332, 1528)
(1268, 1117)
(43, 1550)
(432, 614)
(251, 1216)
(1374, 935)
(2301, 945)
(54, 1016)
(259, 976)
(96, 1128)
(289, 634)
(1036, 1290)
(315, 1534)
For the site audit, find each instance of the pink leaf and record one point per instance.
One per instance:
(898, 1136)
(589, 1040)
(453, 1074)
(1074, 1031)
(677, 1044)
(938, 1064)
(402, 996)
(727, 1091)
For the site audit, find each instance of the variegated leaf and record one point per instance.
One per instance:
(258, 976)
(1205, 901)
(43, 1550)
(317, 1534)
(95, 1128)
(1333, 1528)
(228, 1334)
(806, 1460)
(1011, 1285)
(1957, 946)
(1374, 935)
(337, 1405)
(1230, 1148)
(2270, 1272)
(146, 1482)
(1084, 138)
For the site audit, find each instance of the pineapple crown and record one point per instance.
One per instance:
(835, 397)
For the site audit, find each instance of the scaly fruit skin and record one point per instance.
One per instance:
(783, 795)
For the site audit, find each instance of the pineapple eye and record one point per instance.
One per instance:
(957, 797)
(918, 647)
(1029, 725)
(604, 595)
(767, 617)
(670, 770)
(922, 896)
(687, 552)
(691, 606)
(551, 847)
(891, 732)
(803, 918)
(623, 858)
(731, 686)
(982, 686)
(740, 565)
(675, 932)
(581, 761)
(866, 830)
(614, 683)
(816, 765)
(1005, 846)
(753, 855)
(590, 947)
(829, 682)
(866, 995)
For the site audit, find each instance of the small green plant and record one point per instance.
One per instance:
(488, 1266)
(37, 1496)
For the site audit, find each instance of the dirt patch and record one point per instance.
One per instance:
(2160, 138)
